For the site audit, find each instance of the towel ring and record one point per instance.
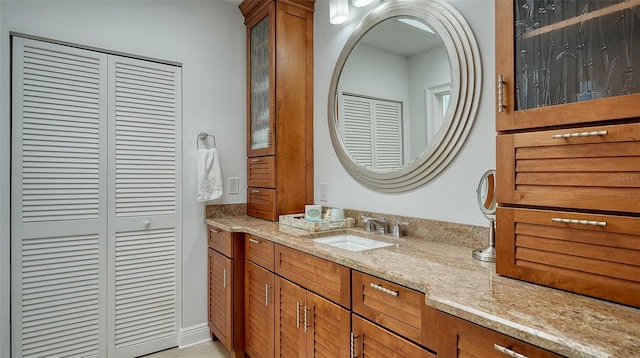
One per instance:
(202, 136)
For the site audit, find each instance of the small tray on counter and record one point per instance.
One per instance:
(298, 220)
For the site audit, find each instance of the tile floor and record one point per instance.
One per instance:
(207, 349)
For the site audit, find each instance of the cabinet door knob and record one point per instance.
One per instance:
(147, 223)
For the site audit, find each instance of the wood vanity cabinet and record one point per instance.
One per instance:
(308, 325)
(371, 340)
(568, 148)
(310, 291)
(460, 338)
(226, 272)
(259, 298)
(279, 106)
(402, 311)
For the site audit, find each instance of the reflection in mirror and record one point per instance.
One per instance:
(394, 93)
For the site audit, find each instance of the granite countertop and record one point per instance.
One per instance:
(455, 283)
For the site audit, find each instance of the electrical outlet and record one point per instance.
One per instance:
(234, 184)
(324, 188)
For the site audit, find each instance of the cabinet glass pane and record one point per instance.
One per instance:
(575, 50)
(260, 136)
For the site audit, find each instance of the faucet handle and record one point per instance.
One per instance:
(397, 228)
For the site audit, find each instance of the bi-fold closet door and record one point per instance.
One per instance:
(95, 202)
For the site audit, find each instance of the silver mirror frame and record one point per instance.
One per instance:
(466, 78)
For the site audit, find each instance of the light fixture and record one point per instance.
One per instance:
(338, 11)
(361, 3)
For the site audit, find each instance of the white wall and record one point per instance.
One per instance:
(450, 196)
(208, 38)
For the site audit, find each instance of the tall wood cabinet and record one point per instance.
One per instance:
(279, 106)
(568, 146)
(226, 305)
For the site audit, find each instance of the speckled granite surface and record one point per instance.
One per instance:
(453, 282)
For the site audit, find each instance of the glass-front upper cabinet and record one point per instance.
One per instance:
(260, 97)
(562, 62)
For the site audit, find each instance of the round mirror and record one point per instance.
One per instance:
(487, 194)
(404, 94)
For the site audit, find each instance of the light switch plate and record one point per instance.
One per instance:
(234, 184)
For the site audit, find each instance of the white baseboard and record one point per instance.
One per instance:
(193, 335)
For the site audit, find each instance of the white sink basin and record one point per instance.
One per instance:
(352, 242)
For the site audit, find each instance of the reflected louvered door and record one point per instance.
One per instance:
(387, 135)
(355, 125)
(143, 224)
(58, 231)
(372, 131)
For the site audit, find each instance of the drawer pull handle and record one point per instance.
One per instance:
(385, 290)
(224, 278)
(254, 241)
(508, 351)
(266, 294)
(255, 160)
(579, 134)
(500, 93)
(306, 318)
(215, 231)
(580, 222)
(353, 345)
(255, 191)
(298, 314)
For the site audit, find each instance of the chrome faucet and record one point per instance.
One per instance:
(397, 228)
(380, 225)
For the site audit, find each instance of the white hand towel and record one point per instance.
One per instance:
(209, 175)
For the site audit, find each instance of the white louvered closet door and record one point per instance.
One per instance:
(143, 221)
(59, 206)
(95, 203)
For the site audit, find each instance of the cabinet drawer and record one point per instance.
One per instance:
(261, 203)
(321, 276)
(259, 251)
(593, 168)
(262, 172)
(595, 255)
(370, 340)
(395, 307)
(460, 338)
(220, 241)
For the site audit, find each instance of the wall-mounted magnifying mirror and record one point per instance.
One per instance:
(404, 94)
(486, 192)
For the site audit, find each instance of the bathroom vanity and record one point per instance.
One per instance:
(447, 302)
